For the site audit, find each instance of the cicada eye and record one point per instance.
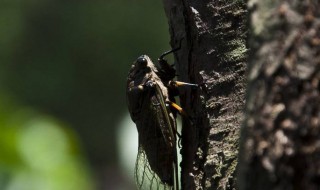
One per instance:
(142, 61)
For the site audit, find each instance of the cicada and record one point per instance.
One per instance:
(150, 99)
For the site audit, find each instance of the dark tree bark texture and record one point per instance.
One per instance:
(281, 138)
(213, 54)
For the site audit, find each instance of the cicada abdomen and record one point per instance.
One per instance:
(156, 165)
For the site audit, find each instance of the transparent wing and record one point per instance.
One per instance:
(145, 177)
(156, 164)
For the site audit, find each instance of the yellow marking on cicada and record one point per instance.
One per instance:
(178, 83)
(175, 106)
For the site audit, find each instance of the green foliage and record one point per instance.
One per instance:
(71, 58)
(68, 59)
(37, 152)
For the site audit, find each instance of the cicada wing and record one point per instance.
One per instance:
(165, 119)
(156, 165)
(146, 178)
(168, 128)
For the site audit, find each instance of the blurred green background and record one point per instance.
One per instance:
(63, 64)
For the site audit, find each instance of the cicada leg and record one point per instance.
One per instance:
(178, 108)
(181, 112)
(176, 84)
(167, 72)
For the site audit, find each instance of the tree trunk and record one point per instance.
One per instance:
(281, 135)
(213, 55)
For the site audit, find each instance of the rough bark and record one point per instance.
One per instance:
(281, 136)
(213, 54)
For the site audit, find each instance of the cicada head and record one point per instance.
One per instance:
(141, 70)
(143, 64)
(142, 61)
